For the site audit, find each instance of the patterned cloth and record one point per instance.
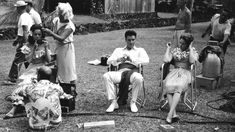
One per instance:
(43, 107)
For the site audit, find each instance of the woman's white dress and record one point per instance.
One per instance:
(65, 53)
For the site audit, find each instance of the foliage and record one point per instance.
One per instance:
(97, 7)
(206, 8)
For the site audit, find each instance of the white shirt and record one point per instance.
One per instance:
(35, 16)
(24, 20)
(218, 30)
(137, 55)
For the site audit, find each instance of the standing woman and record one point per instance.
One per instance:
(63, 34)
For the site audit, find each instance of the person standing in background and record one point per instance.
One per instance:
(183, 22)
(33, 13)
(220, 29)
(24, 24)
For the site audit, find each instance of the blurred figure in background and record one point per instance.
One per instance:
(34, 14)
(220, 29)
(183, 22)
(24, 24)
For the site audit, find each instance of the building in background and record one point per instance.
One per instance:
(105, 6)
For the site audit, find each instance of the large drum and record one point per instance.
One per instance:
(211, 66)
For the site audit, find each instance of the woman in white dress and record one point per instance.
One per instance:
(63, 35)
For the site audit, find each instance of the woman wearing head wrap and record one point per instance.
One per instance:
(63, 34)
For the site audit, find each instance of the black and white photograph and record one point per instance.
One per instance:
(117, 65)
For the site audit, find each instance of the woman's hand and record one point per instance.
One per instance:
(47, 31)
(168, 45)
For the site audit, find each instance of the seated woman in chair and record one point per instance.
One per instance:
(178, 80)
(37, 54)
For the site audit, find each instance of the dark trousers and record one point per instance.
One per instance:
(15, 67)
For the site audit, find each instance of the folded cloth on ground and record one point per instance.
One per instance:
(94, 62)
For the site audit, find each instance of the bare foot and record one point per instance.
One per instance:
(10, 114)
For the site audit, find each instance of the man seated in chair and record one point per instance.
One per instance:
(178, 80)
(127, 59)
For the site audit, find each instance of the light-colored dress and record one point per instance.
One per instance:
(178, 80)
(36, 58)
(65, 53)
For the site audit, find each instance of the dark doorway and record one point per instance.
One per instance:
(79, 6)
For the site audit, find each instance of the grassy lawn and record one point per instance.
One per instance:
(91, 101)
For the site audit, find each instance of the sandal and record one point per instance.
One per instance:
(9, 82)
(8, 116)
(175, 119)
(168, 122)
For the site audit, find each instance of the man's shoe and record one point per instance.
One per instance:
(133, 107)
(113, 106)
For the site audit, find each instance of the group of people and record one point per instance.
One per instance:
(35, 91)
(41, 97)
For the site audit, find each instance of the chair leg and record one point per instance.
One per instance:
(190, 104)
(166, 102)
